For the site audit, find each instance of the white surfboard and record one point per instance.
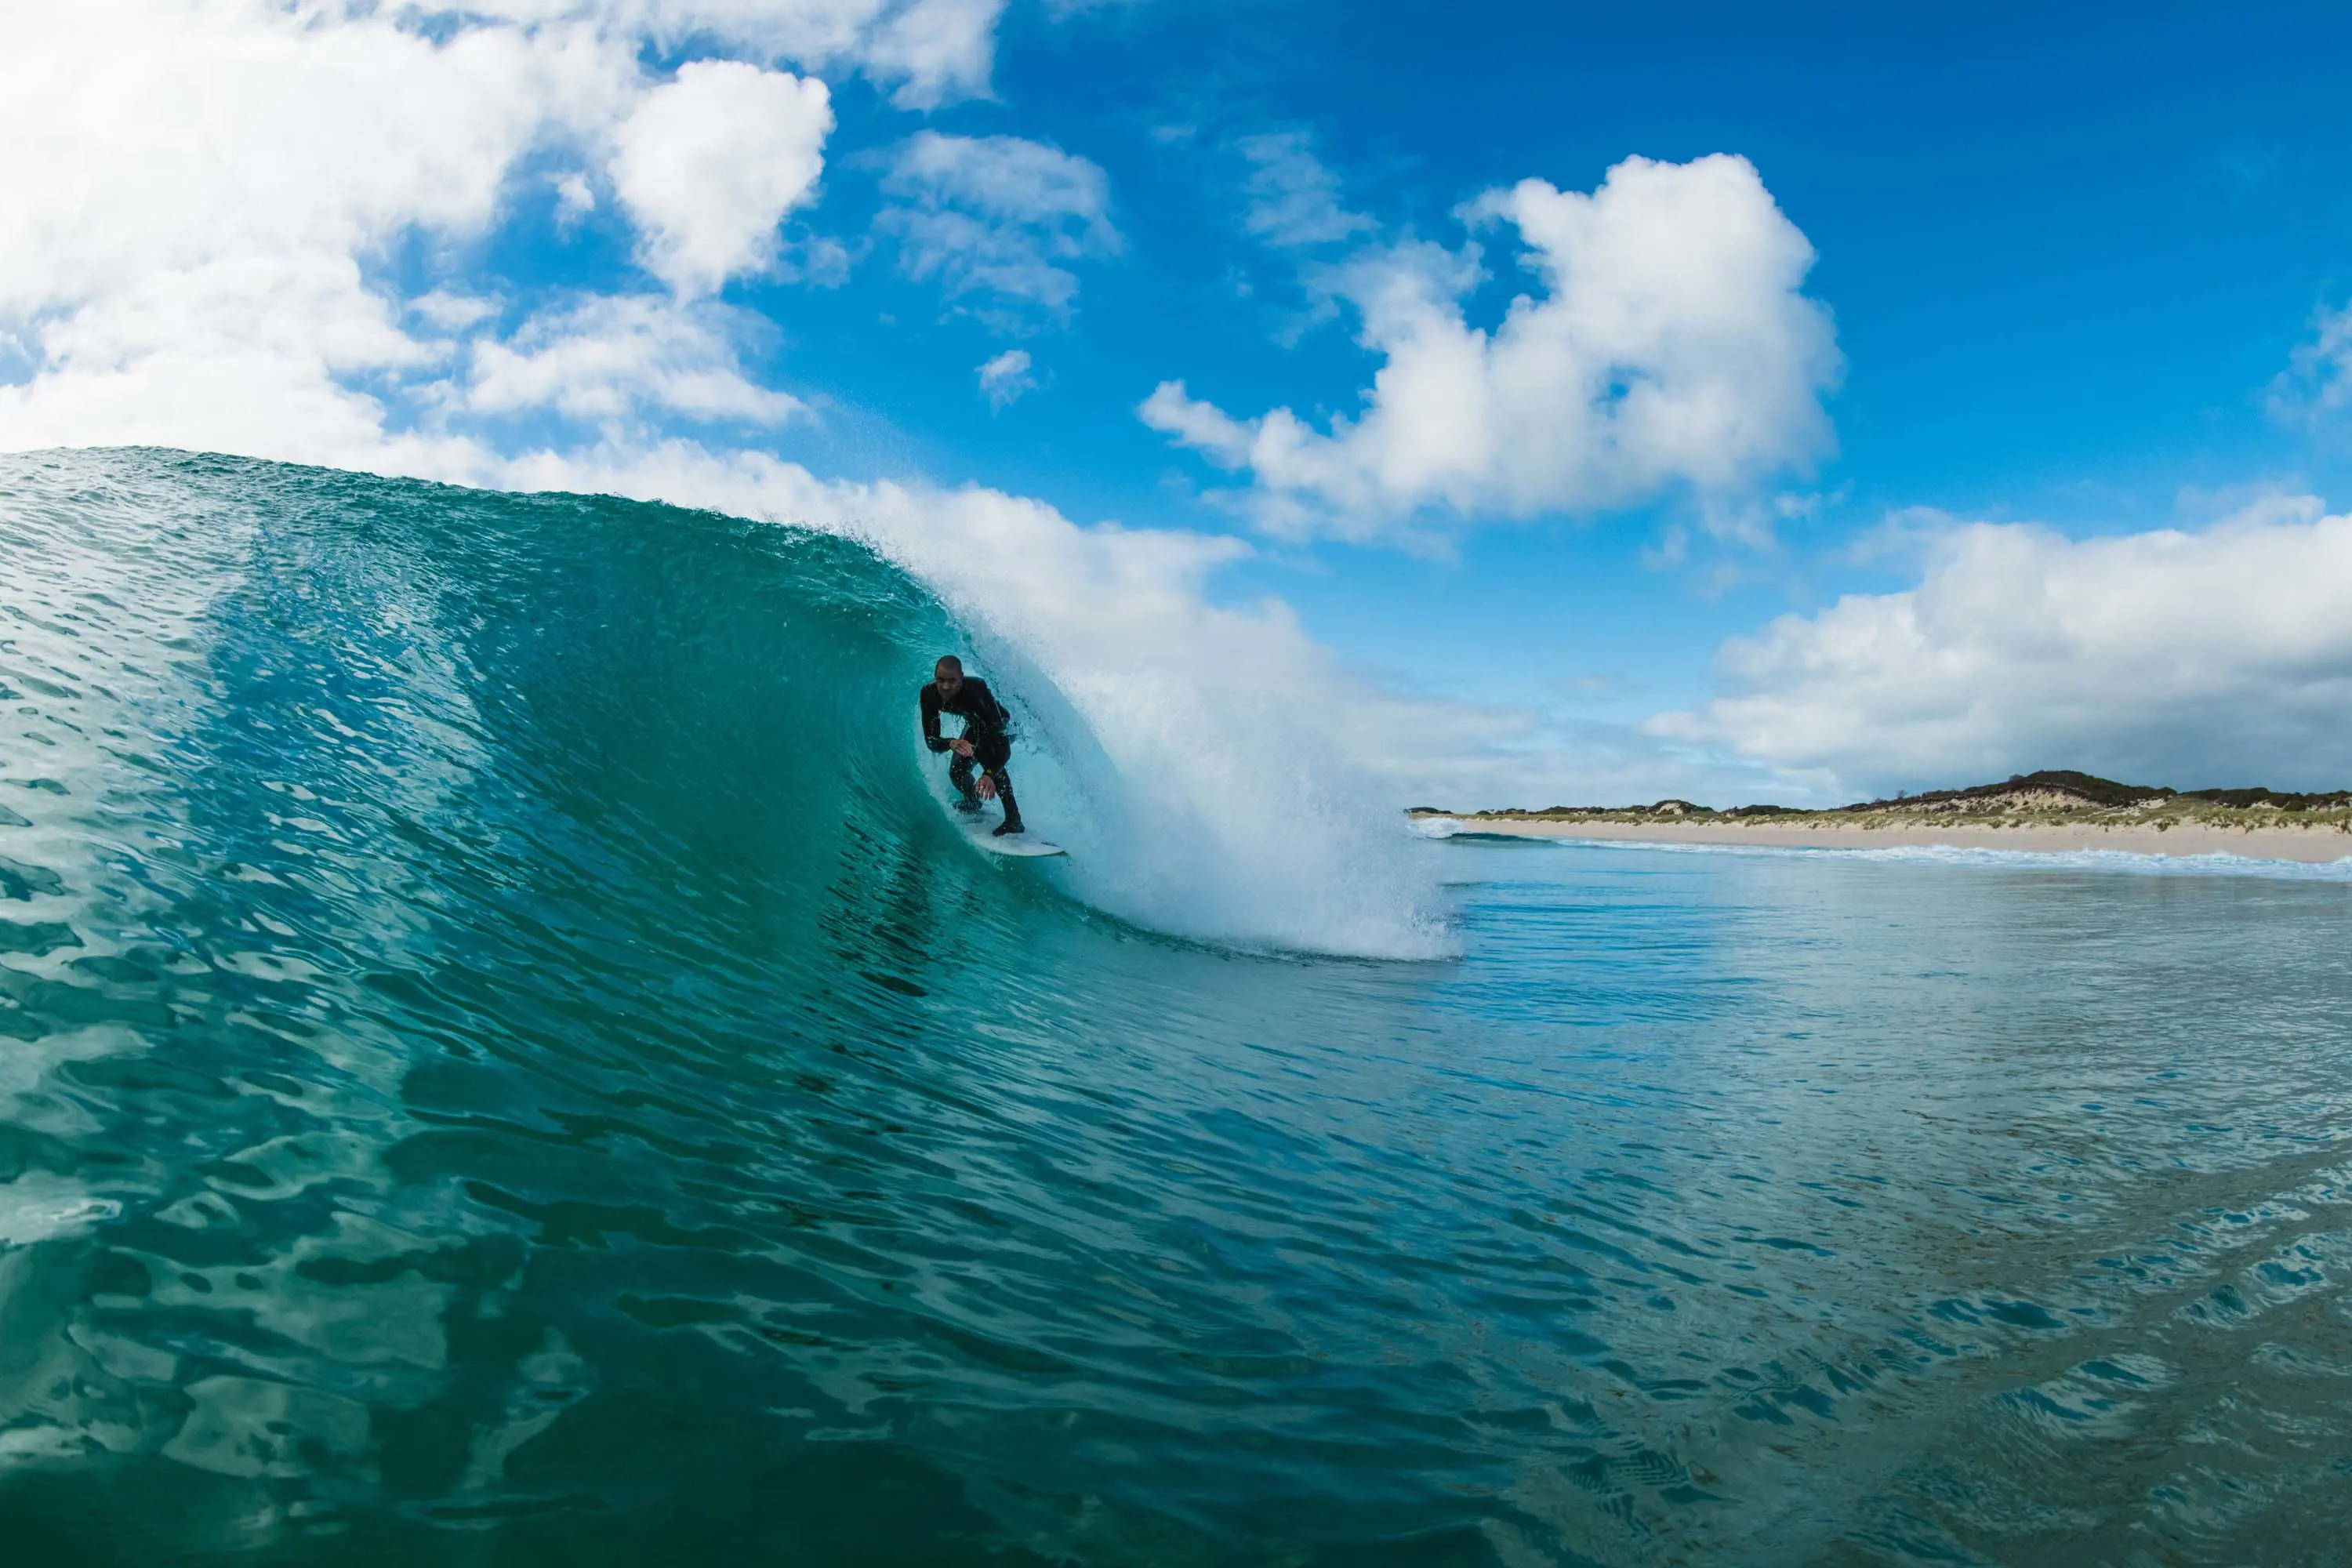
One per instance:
(1020, 846)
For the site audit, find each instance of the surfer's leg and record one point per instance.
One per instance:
(1004, 781)
(993, 756)
(960, 775)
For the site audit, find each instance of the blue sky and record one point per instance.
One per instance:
(2080, 268)
(2067, 256)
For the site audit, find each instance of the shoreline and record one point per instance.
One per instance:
(2316, 846)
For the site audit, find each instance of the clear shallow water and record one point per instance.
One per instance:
(501, 1060)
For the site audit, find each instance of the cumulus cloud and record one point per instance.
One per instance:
(993, 218)
(210, 197)
(606, 358)
(709, 164)
(194, 191)
(1672, 348)
(151, 135)
(2193, 658)
(205, 198)
(1003, 379)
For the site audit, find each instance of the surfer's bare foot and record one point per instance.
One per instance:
(1012, 825)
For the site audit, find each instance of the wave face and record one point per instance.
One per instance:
(406, 884)
(476, 968)
(504, 1059)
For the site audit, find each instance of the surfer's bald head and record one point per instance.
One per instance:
(949, 673)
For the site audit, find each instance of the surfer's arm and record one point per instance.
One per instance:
(931, 721)
(995, 718)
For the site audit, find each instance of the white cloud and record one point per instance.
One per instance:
(993, 216)
(1005, 177)
(710, 163)
(206, 196)
(2189, 658)
(935, 52)
(576, 198)
(154, 135)
(942, 49)
(1003, 379)
(451, 310)
(247, 353)
(606, 358)
(1672, 349)
(1294, 200)
(200, 193)
(2316, 387)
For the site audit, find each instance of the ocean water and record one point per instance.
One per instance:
(503, 1059)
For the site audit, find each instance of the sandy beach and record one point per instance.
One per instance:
(2312, 845)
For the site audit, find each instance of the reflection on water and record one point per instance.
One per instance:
(453, 1105)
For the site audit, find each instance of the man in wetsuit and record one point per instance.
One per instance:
(983, 740)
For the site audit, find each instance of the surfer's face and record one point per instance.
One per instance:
(948, 680)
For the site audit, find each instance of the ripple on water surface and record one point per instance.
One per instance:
(454, 1101)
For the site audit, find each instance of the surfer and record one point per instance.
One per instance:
(983, 740)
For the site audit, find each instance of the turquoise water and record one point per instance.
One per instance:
(503, 1059)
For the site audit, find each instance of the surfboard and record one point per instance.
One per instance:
(1016, 845)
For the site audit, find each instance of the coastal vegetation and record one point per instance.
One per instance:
(2058, 797)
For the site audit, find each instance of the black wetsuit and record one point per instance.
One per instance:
(984, 725)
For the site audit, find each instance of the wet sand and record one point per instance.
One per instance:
(2311, 845)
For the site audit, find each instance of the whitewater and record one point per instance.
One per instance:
(505, 1058)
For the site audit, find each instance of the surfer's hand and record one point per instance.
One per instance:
(986, 788)
(961, 748)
